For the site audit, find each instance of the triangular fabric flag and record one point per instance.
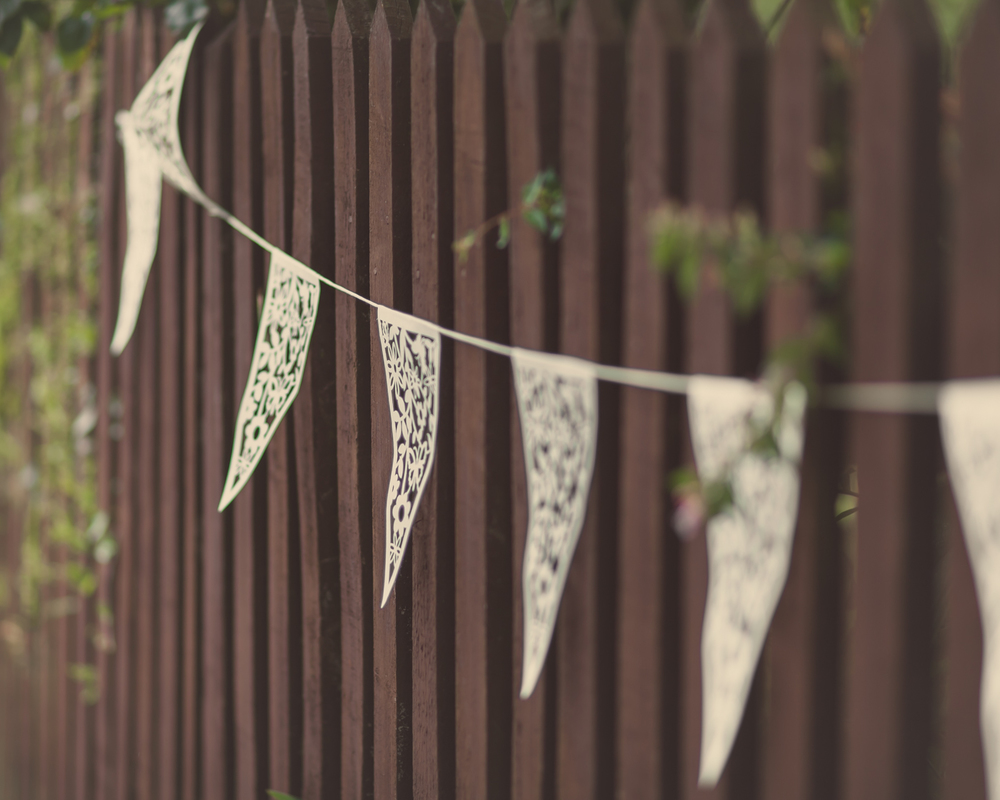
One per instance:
(156, 113)
(411, 353)
(291, 300)
(152, 144)
(557, 403)
(142, 206)
(970, 430)
(749, 543)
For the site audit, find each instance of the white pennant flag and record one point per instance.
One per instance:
(291, 300)
(970, 430)
(557, 404)
(152, 144)
(411, 354)
(749, 544)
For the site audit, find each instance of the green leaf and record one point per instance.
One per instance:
(10, 35)
(280, 795)
(73, 34)
(39, 13)
(503, 237)
(536, 218)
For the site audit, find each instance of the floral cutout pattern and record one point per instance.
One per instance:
(749, 544)
(142, 206)
(411, 353)
(156, 111)
(557, 403)
(970, 430)
(286, 324)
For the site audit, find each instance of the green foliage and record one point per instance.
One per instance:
(542, 207)
(734, 255)
(47, 257)
(280, 795)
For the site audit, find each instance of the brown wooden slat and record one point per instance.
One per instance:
(147, 533)
(191, 760)
(250, 507)
(896, 302)
(217, 410)
(483, 672)
(284, 609)
(648, 679)
(590, 327)
(433, 540)
(354, 471)
(126, 518)
(974, 351)
(533, 77)
(800, 745)
(107, 368)
(315, 406)
(171, 481)
(83, 757)
(725, 167)
(390, 252)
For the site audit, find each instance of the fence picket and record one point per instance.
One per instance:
(974, 351)
(283, 562)
(533, 75)
(191, 687)
(250, 506)
(432, 546)
(389, 246)
(351, 26)
(896, 302)
(482, 417)
(647, 723)
(799, 747)
(725, 161)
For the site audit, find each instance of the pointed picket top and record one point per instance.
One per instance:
(250, 14)
(594, 21)
(311, 19)
(534, 20)
(435, 21)
(291, 300)
(351, 21)
(392, 17)
(280, 16)
(900, 23)
(662, 22)
(486, 17)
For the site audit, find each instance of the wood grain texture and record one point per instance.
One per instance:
(974, 351)
(725, 172)
(483, 675)
(432, 543)
(194, 497)
(283, 561)
(126, 518)
(106, 370)
(897, 335)
(533, 77)
(389, 246)
(647, 723)
(315, 407)
(800, 745)
(218, 420)
(353, 368)
(590, 318)
(147, 527)
(250, 506)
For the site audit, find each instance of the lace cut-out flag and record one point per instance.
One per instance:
(970, 430)
(557, 404)
(411, 354)
(152, 145)
(749, 544)
(287, 318)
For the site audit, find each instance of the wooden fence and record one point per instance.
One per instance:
(250, 649)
